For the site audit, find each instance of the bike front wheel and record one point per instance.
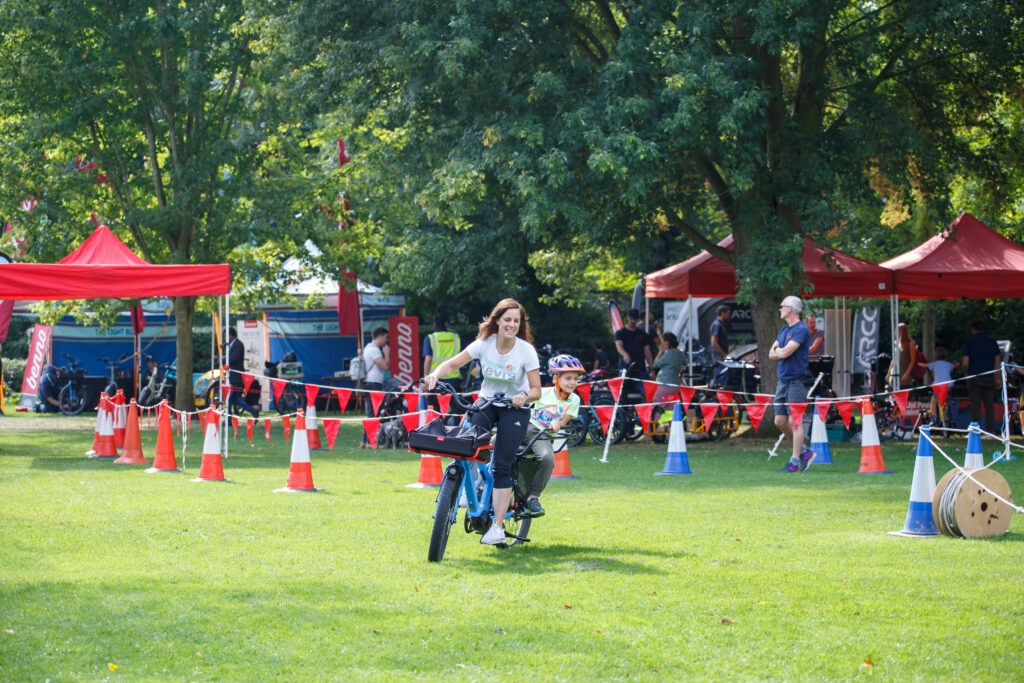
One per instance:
(444, 514)
(577, 429)
(71, 398)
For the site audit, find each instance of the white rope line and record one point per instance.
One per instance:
(967, 473)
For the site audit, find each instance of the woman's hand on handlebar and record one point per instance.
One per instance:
(429, 382)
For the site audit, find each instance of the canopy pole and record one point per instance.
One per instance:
(689, 339)
(894, 323)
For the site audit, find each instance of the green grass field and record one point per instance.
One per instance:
(733, 573)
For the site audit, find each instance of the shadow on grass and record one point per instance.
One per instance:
(560, 558)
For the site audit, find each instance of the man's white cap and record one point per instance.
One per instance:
(794, 303)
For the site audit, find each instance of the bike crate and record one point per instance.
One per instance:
(467, 442)
(289, 370)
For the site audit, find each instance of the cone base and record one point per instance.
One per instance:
(875, 472)
(205, 479)
(131, 460)
(421, 485)
(564, 476)
(102, 457)
(669, 474)
(288, 490)
(151, 470)
(913, 534)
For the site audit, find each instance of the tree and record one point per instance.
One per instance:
(624, 122)
(169, 122)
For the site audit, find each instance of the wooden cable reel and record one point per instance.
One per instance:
(971, 509)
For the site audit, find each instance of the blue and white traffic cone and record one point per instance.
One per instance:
(975, 458)
(819, 441)
(676, 461)
(920, 518)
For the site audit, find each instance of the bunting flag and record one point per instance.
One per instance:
(708, 410)
(445, 400)
(796, 411)
(724, 397)
(686, 396)
(311, 393)
(411, 421)
(755, 411)
(941, 392)
(433, 415)
(584, 391)
(822, 405)
(247, 380)
(649, 390)
(412, 401)
(901, 400)
(376, 398)
(266, 429)
(615, 385)
(343, 397)
(234, 426)
(250, 425)
(371, 425)
(278, 386)
(287, 422)
(604, 416)
(845, 409)
(331, 426)
(343, 157)
(644, 413)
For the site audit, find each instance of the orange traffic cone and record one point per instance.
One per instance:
(300, 472)
(106, 448)
(120, 419)
(562, 468)
(99, 421)
(870, 447)
(164, 460)
(313, 429)
(430, 472)
(212, 468)
(131, 452)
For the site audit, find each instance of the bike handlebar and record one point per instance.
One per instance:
(499, 400)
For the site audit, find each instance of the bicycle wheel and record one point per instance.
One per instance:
(597, 432)
(518, 524)
(577, 429)
(71, 398)
(444, 514)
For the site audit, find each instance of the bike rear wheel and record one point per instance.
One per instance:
(444, 514)
(597, 432)
(71, 398)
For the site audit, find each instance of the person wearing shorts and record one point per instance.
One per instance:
(790, 350)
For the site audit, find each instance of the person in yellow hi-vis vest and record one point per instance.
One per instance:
(438, 347)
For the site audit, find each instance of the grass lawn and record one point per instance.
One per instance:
(734, 573)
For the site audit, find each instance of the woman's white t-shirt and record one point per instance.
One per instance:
(504, 373)
(370, 355)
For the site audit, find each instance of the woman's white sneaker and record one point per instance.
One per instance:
(494, 536)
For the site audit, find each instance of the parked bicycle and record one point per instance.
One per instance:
(71, 393)
(112, 365)
(470, 447)
(293, 396)
(162, 385)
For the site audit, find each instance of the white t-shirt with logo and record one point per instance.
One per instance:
(504, 374)
(370, 355)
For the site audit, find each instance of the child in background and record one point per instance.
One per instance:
(942, 371)
(554, 410)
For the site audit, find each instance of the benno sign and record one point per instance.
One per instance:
(404, 337)
(38, 350)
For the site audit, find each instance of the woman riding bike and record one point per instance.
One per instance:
(509, 364)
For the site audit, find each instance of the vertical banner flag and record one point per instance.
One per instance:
(404, 336)
(614, 317)
(866, 325)
(38, 350)
(348, 307)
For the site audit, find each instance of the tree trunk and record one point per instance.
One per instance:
(766, 326)
(184, 309)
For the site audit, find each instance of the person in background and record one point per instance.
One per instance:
(817, 346)
(508, 360)
(557, 406)
(46, 394)
(376, 361)
(601, 360)
(720, 346)
(910, 373)
(633, 345)
(236, 366)
(790, 349)
(439, 346)
(981, 357)
(942, 371)
(669, 366)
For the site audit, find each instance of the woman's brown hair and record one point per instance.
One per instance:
(489, 325)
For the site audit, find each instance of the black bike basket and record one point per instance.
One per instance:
(465, 442)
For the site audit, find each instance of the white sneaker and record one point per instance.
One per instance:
(494, 536)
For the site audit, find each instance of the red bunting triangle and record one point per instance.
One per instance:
(708, 411)
(615, 385)
(311, 391)
(287, 422)
(686, 396)
(412, 401)
(376, 398)
(941, 392)
(225, 392)
(278, 386)
(331, 426)
(755, 411)
(649, 390)
(604, 416)
(796, 412)
(584, 391)
(249, 425)
(724, 397)
(371, 425)
(247, 379)
(822, 406)
(266, 429)
(845, 409)
(901, 400)
(644, 413)
(445, 400)
(411, 421)
(343, 396)
(234, 426)
(432, 415)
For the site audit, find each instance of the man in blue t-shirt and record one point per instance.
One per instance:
(981, 356)
(790, 349)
